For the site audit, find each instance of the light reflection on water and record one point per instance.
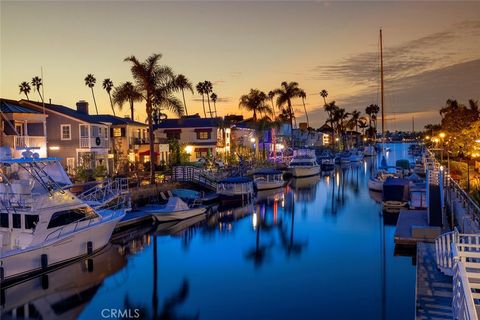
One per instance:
(317, 249)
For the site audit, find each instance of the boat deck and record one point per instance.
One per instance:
(434, 290)
(412, 227)
(134, 217)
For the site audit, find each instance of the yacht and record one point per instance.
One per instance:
(304, 164)
(327, 161)
(235, 190)
(42, 224)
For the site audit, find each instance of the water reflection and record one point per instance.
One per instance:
(320, 240)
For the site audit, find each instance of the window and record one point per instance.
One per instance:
(16, 221)
(65, 217)
(4, 220)
(19, 129)
(70, 165)
(65, 131)
(173, 135)
(203, 135)
(117, 132)
(31, 221)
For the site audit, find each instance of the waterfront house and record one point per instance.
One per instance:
(305, 137)
(75, 135)
(327, 132)
(200, 137)
(21, 127)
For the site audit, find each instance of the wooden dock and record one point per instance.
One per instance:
(412, 227)
(434, 290)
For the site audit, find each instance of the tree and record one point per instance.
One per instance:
(354, 120)
(182, 84)
(126, 92)
(271, 95)
(90, 82)
(214, 98)
(201, 90)
(339, 119)
(285, 94)
(254, 101)
(207, 88)
(25, 88)
(372, 111)
(108, 86)
(37, 83)
(303, 95)
(330, 109)
(156, 85)
(456, 116)
(324, 95)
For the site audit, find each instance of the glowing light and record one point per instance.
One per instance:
(252, 140)
(254, 220)
(336, 139)
(427, 137)
(188, 149)
(364, 139)
(442, 135)
(54, 148)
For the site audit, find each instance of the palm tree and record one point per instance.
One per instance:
(37, 83)
(330, 109)
(25, 88)
(303, 95)
(90, 82)
(339, 117)
(324, 95)
(254, 101)
(126, 92)
(271, 95)
(286, 93)
(156, 85)
(214, 98)
(372, 111)
(108, 85)
(208, 87)
(354, 120)
(182, 84)
(201, 90)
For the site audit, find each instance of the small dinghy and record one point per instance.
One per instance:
(174, 209)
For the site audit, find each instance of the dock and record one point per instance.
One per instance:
(434, 290)
(134, 217)
(412, 227)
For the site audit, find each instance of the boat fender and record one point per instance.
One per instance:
(90, 265)
(2, 274)
(44, 281)
(44, 260)
(89, 247)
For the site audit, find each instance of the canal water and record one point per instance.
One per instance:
(318, 249)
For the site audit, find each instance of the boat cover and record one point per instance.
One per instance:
(395, 189)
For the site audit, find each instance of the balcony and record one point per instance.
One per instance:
(139, 141)
(94, 142)
(22, 142)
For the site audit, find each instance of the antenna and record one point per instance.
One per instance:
(381, 85)
(43, 106)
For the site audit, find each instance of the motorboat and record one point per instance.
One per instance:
(234, 190)
(268, 179)
(356, 155)
(174, 209)
(304, 164)
(376, 183)
(395, 195)
(327, 161)
(369, 151)
(43, 224)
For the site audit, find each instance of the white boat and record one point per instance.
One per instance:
(376, 183)
(235, 190)
(174, 209)
(267, 179)
(369, 151)
(42, 224)
(304, 164)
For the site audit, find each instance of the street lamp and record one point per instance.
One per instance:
(442, 136)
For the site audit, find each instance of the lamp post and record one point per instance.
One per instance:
(442, 137)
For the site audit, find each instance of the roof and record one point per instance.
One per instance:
(12, 106)
(64, 110)
(116, 120)
(188, 123)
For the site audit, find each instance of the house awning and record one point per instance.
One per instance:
(172, 130)
(146, 153)
(203, 130)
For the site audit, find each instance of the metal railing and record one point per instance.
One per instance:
(195, 175)
(94, 142)
(107, 193)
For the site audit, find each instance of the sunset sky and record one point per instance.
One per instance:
(432, 50)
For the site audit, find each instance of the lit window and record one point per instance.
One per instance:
(203, 135)
(117, 132)
(66, 131)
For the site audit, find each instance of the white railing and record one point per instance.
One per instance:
(196, 175)
(458, 255)
(22, 142)
(107, 192)
(94, 142)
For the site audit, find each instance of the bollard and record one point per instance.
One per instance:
(2, 274)
(44, 261)
(45, 282)
(90, 265)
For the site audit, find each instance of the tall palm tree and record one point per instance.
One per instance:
(285, 94)
(303, 95)
(126, 92)
(90, 82)
(25, 88)
(324, 95)
(340, 117)
(254, 101)
(208, 87)
(201, 90)
(354, 119)
(37, 84)
(182, 84)
(330, 109)
(156, 85)
(372, 111)
(271, 95)
(108, 86)
(214, 98)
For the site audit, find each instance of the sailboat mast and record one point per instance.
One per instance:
(381, 86)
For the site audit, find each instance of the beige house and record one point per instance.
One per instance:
(22, 128)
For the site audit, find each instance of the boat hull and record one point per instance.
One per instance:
(299, 172)
(267, 185)
(178, 215)
(375, 185)
(58, 251)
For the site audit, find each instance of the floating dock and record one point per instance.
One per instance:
(412, 227)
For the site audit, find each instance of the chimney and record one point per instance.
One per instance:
(82, 106)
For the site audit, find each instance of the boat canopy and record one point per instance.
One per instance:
(395, 189)
(175, 204)
(268, 171)
(233, 180)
